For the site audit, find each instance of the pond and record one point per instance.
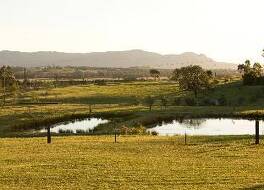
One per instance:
(208, 127)
(77, 126)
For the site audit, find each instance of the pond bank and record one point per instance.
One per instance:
(137, 117)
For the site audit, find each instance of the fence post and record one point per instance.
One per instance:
(185, 138)
(90, 109)
(115, 135)
(48, 135)
(257, 132)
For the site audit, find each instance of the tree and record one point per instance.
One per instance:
(251, 75)
(25, 82)
(193, 78)
(7, 78)
(247, 66)
(56, 77)
(209, 73)
(14, 91)
(240, 68)
(257, 68)
(154, 73)
(149, 101)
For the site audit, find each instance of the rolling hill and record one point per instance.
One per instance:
(117, 59)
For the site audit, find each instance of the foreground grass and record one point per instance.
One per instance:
(138, 162)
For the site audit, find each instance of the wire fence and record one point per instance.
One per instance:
(184, 138)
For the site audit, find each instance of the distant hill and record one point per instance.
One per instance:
(118, 59)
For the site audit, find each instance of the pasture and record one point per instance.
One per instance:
(124, 103)
(135, 162)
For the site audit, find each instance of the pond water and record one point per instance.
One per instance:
(85, 125)
(208, 127)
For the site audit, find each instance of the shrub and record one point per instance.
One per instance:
(178, 101)
(249, 79)
(67, 131)
(163, 101)
(154, 133)
(222, 100)
(149, 101)
(130, 78)
(253, 99)
(240, 100)
(190, 101)
(215, 82)
(208, 102)
(81, 131)
(133, 131)
(259, 94)
(100, 82)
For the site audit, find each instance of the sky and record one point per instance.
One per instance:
(225, 30)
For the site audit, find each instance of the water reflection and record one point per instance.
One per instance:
(208, 127)
(193, 123)
(77, 126)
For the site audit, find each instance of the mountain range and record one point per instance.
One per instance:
(113, 59)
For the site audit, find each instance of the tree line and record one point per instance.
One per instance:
(252, 74)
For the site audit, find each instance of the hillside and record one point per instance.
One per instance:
(120, 59)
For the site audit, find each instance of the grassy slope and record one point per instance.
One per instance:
(135, 162)
(113, 93)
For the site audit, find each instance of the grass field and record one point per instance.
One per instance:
(135, 162)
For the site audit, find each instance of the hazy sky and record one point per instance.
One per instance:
(226, 30)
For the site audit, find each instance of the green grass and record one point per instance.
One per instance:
(135, 162)
(112, 93)
(237, 94)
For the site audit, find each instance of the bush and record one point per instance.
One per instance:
(132, 131)
(208, 102)
(259, 94)
(249, 79)
(154, 133)
(178, 101)
(226, 80)
(222, 100)
(240, 101)
(253, 99)
(81, 131)
(190, 101)
(215, 82)
(67, 131)
(163, 101)
(130, 78)
(100, 82)
(149, 101)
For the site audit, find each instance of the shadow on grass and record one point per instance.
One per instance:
(99, 100)
(255, 187)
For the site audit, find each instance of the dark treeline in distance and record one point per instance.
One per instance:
(84, 73)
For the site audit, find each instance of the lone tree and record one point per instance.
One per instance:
(193, 78)
(154, 73)
(149, 101)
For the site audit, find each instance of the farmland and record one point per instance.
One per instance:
(124, 103)
(135, 162)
